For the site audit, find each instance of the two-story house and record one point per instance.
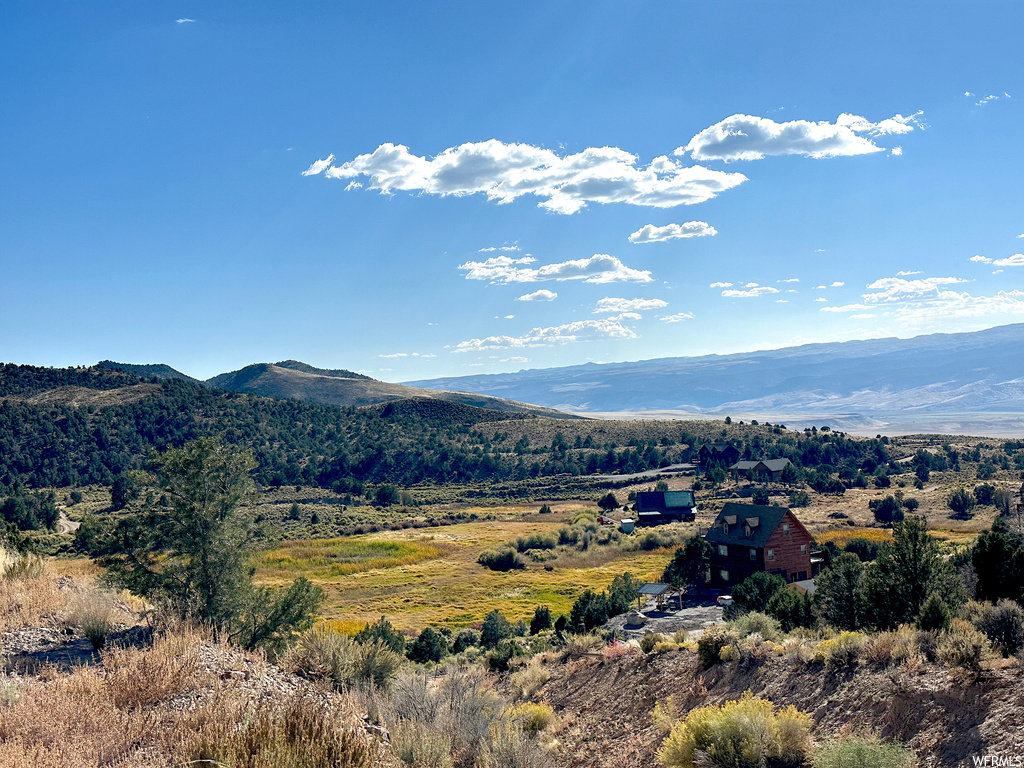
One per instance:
(747, 538)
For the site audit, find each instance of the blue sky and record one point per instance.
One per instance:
(416, 189)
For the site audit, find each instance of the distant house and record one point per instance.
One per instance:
(658, 507)
(747, 538)
(721, 453)
(770, 469)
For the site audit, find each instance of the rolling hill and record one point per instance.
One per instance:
(299, 381)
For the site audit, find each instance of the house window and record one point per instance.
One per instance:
(785, 528)
(723, 550)
(725, 575)
(771, 554)
(753, 554)
(803, 549)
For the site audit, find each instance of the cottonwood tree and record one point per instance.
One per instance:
(192, 554)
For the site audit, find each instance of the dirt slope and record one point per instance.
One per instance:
(605, 705)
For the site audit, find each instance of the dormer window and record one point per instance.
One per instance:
(747, 531)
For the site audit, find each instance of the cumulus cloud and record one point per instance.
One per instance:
(504, 172)
(319, 166)
(821, 298)
(750, 293)
(1017, 260)
(653, 234)
(542, 295)
(499, 248)
(837, 284)
(580, 330)
(908, 272)
(610, 304)
(896, 151)
(895, 288)
(599, 268)
(745, 137)
(395, 354)
(677, 318)
(720, 285)
(981, 259)
(1019, 236)
(789, 280)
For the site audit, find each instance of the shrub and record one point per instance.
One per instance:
(791, 608)
(532, 718)
(579, 645)
(93, 613)
(651, 639)
(509, 747)
(545, 509)
(750, 623)
(799, 499)
(964, 647)
(383, 631)
(528, 680)
(429, 646)
(748, 733)
(754, 592)
(419, 746)
(1003, 625)
(501, 655)
(861, 752)
(467, 638)
(680, 636)
(504, 559)
(711, 643)
(303, 732)
(961, 502)
(865, 550)
(537, 541)
(495, 629)
(541, 619)
(841, 650)
(934, 615)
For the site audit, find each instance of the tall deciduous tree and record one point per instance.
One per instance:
(192, 555)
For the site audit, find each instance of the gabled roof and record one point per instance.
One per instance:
(744, 465)
(664, 501)
(776, 465)
(735, 514)
(772, 465)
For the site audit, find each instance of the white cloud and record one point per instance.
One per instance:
(542, 295)
(504, 172)
(896, 288)
(599, 268)
(908, 272)
(516, 360)
(896, 151)
(745, 137)
(720, 285)
(1017, 260)
(395, 354)
(750, 285)
(1019, 236)
(837, 284)
(677, 318)
(981, 259)
(509, 317)
(320, 166)
(652, 234)
(751, 293)
(789, 280)
(499, 248)
(821, 298)
(186, 21)
(845, 308)
(862, 316)
(429, 355)
(986, 99)
(580, 330)
(820, 287)
(610, 304)
(782, 301)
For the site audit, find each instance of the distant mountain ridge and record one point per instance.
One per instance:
(982, 371)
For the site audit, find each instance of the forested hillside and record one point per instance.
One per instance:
(48, 441)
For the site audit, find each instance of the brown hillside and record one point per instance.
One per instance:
(604, 706)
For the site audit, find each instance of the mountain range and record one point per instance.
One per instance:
(937, 374)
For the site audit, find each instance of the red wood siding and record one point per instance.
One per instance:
(789, 561)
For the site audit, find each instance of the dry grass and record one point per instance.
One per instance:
(326, 559)
(29, 601)
(843, 536)
(453, 589)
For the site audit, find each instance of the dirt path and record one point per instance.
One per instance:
(65, 524)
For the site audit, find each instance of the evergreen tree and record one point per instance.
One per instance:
(689, 564)
(193, 556)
